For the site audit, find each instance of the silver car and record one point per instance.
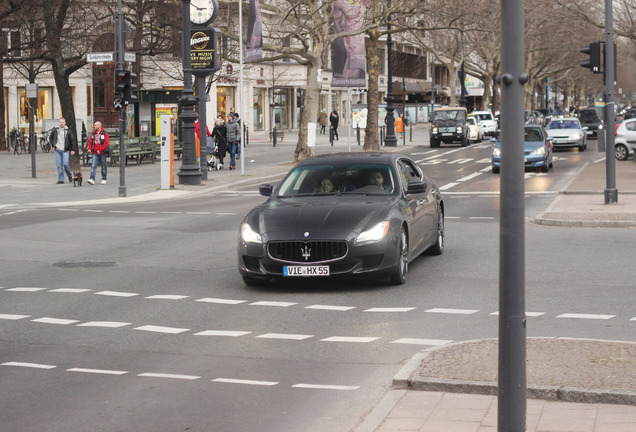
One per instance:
(567, 132)
(625, 141)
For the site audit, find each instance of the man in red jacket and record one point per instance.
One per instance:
(98, 145)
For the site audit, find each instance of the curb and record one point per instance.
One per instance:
(404, 380)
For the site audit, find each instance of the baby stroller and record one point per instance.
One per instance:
(213, 155)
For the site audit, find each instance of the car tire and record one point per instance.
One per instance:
(438, 247)
(399, 275)
(545, 168)
(621, 152)
(434, 143)
(252, 281)
(465, 141)
(495, 170)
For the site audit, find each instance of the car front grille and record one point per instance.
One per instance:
(447, 129)
(307, 251)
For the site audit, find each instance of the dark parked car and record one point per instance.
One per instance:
(537, 150)
(341, 215)
(589, 118)
(629, 114)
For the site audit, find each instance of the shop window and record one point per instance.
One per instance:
(43, 107)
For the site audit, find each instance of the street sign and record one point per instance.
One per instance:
(118, 104)
(103, 57)
(32, 91)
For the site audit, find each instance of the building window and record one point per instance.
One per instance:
(43, 107)
(13, 42)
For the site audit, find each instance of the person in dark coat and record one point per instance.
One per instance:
(219, 134)
(334, 119)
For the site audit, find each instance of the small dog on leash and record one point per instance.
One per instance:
(77, 178)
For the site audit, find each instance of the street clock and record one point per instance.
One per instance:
(203, 12)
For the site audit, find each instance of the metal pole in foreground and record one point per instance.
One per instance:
(611, 193)
(122, 112)
(390, 140)
(512, 320)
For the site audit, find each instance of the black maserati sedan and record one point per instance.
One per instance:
(344, 214)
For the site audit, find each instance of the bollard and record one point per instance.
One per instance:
(410, 133)
(381, 135)
(274, 137)
(247, 135)
(358, 133)
(331, 136)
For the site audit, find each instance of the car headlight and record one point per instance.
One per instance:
(435, 130)
(459, 129)
(496, 151)
(248, 235)
(538, 151)
(377, 233)
(576, 136)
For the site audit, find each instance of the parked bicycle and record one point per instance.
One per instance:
(45, 141)
(20, 144)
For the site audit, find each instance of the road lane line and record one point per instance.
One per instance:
(117, 294)
(389, 309)
(247, 382)
(228, 333)
(530, 314)
(106, 324)
(352, 339)
(172, 376)
(415, 341)
(331, 308)
(161, 329)
(325, 387)
(453, 311)
(272, 303)
(28, 365)
(97, 371)
(285, 336)
(448, 186)
(13, 317)
(586, 316)
(470, 177)
(69, 290)
(25, 289)
(60, 321)
(221, 301)
(166, 297)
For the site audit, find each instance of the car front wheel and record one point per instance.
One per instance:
(438, 247)
(620, 152)
(399, 276)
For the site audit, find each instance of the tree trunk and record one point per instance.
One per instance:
(309, 111)
(371, 136)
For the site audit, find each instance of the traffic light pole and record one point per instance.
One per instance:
(611, 193)
(122, 111)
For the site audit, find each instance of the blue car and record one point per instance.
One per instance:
(537, 149)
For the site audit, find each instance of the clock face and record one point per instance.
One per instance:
(202, 11)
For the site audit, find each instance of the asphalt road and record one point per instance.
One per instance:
(133, 316)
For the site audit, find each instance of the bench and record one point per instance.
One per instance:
(137, 149)
(178, 147)
(279, 136)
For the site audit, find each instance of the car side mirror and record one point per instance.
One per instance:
(266, 189)
(416, 187)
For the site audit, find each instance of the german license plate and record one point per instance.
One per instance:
(305, 270)
(447, 134)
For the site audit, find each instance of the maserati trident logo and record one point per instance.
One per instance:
(305, 252)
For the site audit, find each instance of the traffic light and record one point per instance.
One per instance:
(130, 94)
(594, 62)
(122, 83)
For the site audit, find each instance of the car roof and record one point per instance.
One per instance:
(355, 157)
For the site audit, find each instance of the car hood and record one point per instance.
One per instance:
(528, 146)
(321, 217)
(443, 123)
(564, 132)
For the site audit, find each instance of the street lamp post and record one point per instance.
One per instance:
(390, 140)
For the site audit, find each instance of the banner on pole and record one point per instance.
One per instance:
(254, 49)
(350, 59)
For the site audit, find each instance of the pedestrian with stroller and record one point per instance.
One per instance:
(98, 145)
(65, 143)
(334, 119)
(233, 138)
(219, 134)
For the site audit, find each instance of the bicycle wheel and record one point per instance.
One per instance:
(21, 148)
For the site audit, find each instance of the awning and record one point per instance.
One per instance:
(411, 87)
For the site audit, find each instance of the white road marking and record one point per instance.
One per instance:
(69, 210)
(389, 309)
(453, 311)
(633, 319)
(13, 317)
(325, 387)
(285, 336)
(198, 213)
(414, 341)
(452, 217)
(170, 212)
(272, 303)
(69, 290)
(25, 289)
(448, 185)
(118, 211)
(97, 371)
(221, 301)
(586, 316)
(145, 212)
(351, 339)
(166, 297)
(161, 329)
(60, 321)
(331, 308)
(222, 333)
(116, 294)
(28, 365)
(460, 161)
(530, 314)
(488, 168)
(226, 214)
(93, 211)
(485, 160)
(248, 382)
(481, 217)
(172, 376)
(470, 177)
(107, 324)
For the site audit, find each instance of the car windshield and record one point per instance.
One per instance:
(338, 179)
(483, 116)
(564, 124)
(470, 120)
(589, 115)
(449, 115)
(533, 134)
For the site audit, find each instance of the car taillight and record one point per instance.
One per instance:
(616, 131)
